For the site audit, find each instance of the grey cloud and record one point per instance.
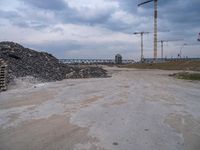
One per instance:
(65, 14)
(57, 29)
(179, 13)
(105, 50)
(23, 21)
(85, 15)
(47, 4)
(180, 17)
(55, 47)
(8, 14)
(74, 17)
(116, 26)
(128, 5)
(33, 25)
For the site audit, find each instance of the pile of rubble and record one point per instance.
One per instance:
(24, 62)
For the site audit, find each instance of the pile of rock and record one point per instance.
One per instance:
(43, 66)
(86, 72)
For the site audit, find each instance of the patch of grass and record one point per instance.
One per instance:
(173, 65)
(187, 76)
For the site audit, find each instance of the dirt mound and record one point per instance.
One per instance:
(41, 65)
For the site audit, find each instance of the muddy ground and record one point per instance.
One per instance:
(132, 110)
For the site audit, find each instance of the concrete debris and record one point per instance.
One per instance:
(24, 62)
(86, 72)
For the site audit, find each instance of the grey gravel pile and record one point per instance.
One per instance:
(24, 62)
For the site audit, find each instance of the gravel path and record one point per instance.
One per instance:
(132, 110)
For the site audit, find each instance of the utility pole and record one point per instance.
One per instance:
(155, 24)
(162, 45)
(142, 50)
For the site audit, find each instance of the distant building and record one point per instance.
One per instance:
(118, 59)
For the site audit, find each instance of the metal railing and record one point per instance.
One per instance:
(93, 61)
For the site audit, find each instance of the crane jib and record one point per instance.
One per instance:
(145, 2)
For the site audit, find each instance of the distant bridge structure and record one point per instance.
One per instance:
(94, 61)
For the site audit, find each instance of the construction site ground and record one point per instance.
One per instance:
(132, 110)
(172, 65)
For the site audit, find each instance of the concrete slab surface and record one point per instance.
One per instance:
(132, 110)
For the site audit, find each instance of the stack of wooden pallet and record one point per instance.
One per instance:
(3, 73)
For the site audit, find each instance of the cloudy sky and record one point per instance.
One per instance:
(100, 28)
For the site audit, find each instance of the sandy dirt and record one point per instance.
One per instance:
(132, 110)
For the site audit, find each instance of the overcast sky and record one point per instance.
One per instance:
(99, 28)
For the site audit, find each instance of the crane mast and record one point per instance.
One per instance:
(142, 49)
(155, 28)
(162, 45)
(155, 25)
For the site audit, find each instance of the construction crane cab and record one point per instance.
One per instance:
(198, 37)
